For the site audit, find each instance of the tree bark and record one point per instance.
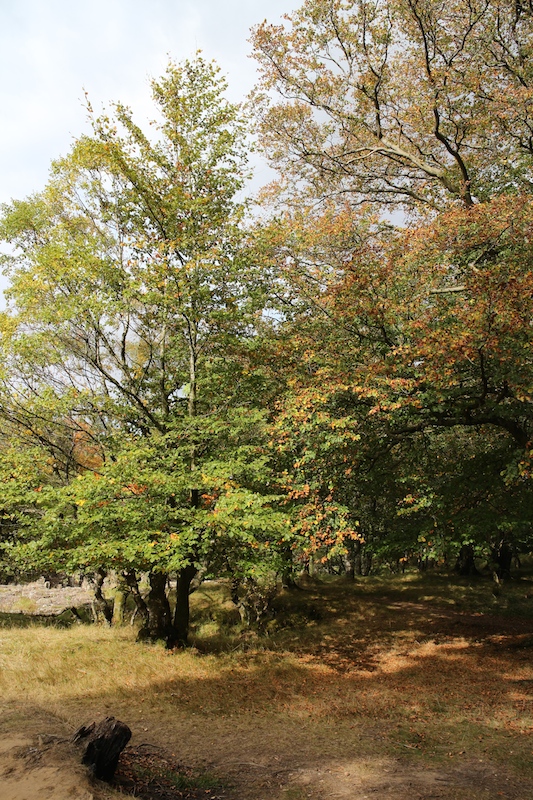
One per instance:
(102, 609)
(465, 564)
(159, 623)
(103, 743)
(352, 559)
(133, 584)
(119, 606)
(287, 574)
(366, 564)
(503, 556)
(182, 610)
(235, 585)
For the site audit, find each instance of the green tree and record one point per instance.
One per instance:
(133, 304)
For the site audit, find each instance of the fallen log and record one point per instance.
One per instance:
(102, 744)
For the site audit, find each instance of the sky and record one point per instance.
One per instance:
(52, 51)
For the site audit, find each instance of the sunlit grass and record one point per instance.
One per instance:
(382, 656)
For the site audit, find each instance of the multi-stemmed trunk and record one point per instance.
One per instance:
(158, 625)
(176, 630)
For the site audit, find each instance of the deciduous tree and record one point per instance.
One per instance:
(132, 303)
(413, 102)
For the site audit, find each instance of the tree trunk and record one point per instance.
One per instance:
(287, 573)
(103, 743)
(141, 608)
(358, 559)
(102, 610)
(503, 556)
(465, 564)
(352, 559)
(366, 564)
(119, 606)
(159, 624)
(182, 610)
(235, 585)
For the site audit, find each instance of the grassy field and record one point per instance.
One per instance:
(394, 687)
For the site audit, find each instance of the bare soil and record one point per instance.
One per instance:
(41, 766)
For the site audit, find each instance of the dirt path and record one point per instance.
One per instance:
(37, 762)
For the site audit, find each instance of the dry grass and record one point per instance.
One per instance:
(413, 671)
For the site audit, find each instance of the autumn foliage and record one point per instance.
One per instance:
(343, 377)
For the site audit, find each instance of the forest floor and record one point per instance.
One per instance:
(400, 688)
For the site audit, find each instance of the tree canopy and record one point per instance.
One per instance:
(401, 135)
(192, 389)
(412, 102)
(125, 347)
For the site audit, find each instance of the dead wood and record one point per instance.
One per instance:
(102, 744)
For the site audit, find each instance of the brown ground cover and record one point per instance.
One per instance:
(401, 689)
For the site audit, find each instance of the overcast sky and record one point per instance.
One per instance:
(53, 50)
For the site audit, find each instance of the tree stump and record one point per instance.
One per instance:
(102, 744)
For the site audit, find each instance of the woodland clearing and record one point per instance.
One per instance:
(400, 687)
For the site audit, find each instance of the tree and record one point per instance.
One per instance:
(411, 102)
(403, 344)
(132, 305)
(416, 336)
